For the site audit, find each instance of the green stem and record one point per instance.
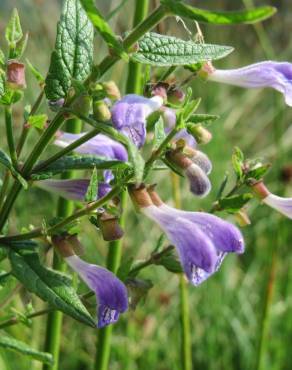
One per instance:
(54, 321)
(104, 334)
(25, 128)
(186, 344)
(9, 134)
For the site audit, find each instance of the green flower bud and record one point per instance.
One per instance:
(101, 111)
(200, 133)
(111, 89)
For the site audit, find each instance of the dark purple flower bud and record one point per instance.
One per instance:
(199, 158)
(259, 75)
(16, 75)
(129, 115)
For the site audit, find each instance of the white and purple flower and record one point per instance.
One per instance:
(129, 115)
(276, 75)
(202, 240)
(280, 204)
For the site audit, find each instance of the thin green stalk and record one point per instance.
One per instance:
(54, 321)
(10, 136)
(186, 344)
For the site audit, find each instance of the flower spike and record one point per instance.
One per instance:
(111, 293)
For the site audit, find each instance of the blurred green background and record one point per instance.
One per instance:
(246, 307)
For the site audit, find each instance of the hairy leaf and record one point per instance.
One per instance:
(136, 160)
(159, 133)
(259, 172)
(38, 121)
(103, 28)
(5, 160)
(161, 50)
(91, 193)
(177, 7)
(2, 82)
(37, 74)
(237, 162)
(51, 286)
(73, 54)
(234, 203)
(202, 118)
(13, 31)
(79, 162)
(8, 342)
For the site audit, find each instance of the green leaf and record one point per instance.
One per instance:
(37, 74)
(125, 268)
(202, 118)
(237, 162)
(190, 107)
(103, 28)
(4, 276)
(8, 342)
(136, 160)
(73, 54)
(91, 193)
(13, 31)
(51, 286)
(170, 262)
(234, 203)
(20, 47)
(11, 97)
(258, 173)
(177, 7)
(161, 50)
(2, 83)
(38, 121)
(159, 133)
(79, 162)
(2, 58)
(5, 160)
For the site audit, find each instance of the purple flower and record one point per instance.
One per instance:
(111, 293)
(100, 145)
(196, 251)
(169, 118)
(264, 74)
(129, 115)
(74, 189)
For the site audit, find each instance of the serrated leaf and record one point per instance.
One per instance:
(162, 50)
(51, 286)
(103, 28)
(177, 7)
(234, 203)
(5, 160)
(37, 74)
(159, 133)
(38, 121)
(13, 31)
(8, 342)
(91, 193)
(237, 162)
(202, 118)
(78, 162)
(73, 54)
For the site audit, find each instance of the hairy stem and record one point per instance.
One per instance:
(186, 345)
